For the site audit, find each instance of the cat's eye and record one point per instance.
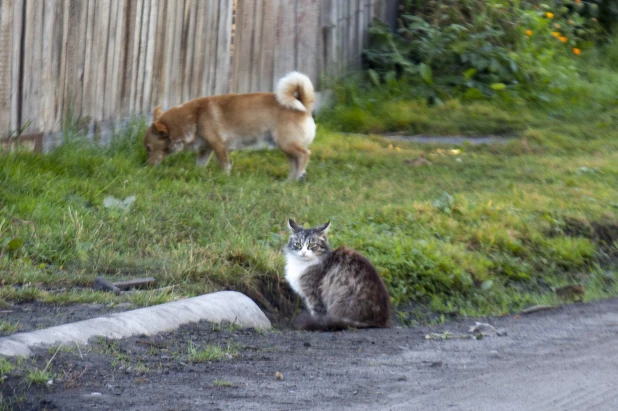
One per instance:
(312, 246)
(296, 245)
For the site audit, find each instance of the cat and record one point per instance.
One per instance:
(340, 288)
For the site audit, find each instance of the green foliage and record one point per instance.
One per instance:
(37, 376)
(477, 50)
(8, 327)
(5, 368)
(397, 108)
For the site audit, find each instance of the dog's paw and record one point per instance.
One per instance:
(302, 177)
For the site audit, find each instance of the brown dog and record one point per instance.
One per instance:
(234, 121)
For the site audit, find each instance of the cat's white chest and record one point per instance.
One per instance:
(294, 270)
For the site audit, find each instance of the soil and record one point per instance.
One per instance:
(564, 358)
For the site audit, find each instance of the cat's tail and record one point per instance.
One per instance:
(295, 91)
(308, 322)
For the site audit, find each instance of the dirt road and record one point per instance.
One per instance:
(563, 359)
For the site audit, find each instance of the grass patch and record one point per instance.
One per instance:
(378, 114)
(222, 383)
(7, 327)
(211, 352)
(37, 377)
(12, 403)
(475, 230)
(5, 367)
(479, 230)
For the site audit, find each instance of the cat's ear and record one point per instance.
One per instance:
(323, 228)
(292, 226)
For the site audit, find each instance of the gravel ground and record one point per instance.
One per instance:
(560, 359)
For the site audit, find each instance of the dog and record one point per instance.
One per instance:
(235, 121)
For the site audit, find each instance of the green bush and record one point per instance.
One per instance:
(481, 49)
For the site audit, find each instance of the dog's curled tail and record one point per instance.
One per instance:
(295, 91)
(307, 322)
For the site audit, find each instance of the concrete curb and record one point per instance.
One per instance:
(216, 307)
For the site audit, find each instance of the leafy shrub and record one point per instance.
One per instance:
(479, 49)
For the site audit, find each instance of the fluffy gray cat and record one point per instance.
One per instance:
(340, 287)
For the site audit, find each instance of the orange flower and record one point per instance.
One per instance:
(578, 1)
(556, 34)
(563, 39)
(549, 15)
(528, 32)
(576, 51)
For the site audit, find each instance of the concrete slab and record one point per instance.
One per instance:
(221, 306)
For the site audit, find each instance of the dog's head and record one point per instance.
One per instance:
(157, 139)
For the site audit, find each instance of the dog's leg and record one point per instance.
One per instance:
(204, 157)
(303, 160)
(299, 157)
(293, 166)
(222, 157)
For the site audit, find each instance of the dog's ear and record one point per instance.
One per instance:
(158, 112)
(160, 128)
(292, 226)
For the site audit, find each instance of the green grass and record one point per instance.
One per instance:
(5, 367)
(12, 402)
(7, 327)
(195, 353)
(386, 115)
(37, 377)
(222, 383)
(482, 230)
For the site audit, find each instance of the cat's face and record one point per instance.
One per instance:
(307, 244)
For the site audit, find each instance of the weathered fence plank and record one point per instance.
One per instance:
(187, 50)
(114, 103)
(100, 45)
(308, 29)
(265, 51)
(86, 110)
(329, 39)
(62, 41)
(200, 39)
(33, 57)
(16, 66)
(175, 81)
(142, 39)
(243, 44)
(257, 47)
(75, 59)
(6, 67)
(224, 37)
(285, 39)
(209, 62)
(149, 62)
(168, 62)
(158, 62)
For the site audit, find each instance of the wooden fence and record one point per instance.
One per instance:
(103, 61)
